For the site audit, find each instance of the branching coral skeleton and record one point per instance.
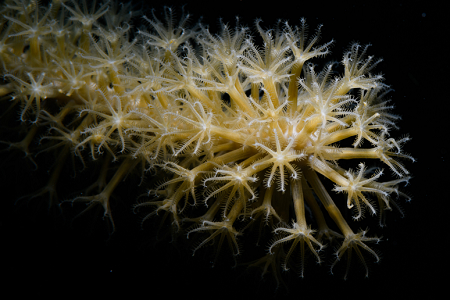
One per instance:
(241, 137)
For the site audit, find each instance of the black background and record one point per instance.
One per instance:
(45, 253)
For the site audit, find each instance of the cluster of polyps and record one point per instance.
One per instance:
(243, 134)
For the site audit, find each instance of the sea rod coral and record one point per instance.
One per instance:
(244, 139)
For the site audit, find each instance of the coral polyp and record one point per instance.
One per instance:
(244, 139)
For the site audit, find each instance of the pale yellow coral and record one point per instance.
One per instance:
(246, 128)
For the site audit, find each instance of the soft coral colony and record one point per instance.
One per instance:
(244, 135)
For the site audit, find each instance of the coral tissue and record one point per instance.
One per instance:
(232, 139)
